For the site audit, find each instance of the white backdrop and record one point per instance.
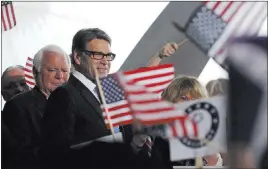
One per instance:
(42, 23)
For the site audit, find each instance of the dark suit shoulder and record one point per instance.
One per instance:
(21, 98)
(15, 105)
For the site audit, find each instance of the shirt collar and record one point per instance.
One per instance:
(90, 85)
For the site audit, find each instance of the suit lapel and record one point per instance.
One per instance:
(87, 95)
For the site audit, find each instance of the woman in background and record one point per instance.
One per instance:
(181, 89)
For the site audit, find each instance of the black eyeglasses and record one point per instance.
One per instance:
(99, 55)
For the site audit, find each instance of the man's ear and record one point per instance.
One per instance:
(76, 58)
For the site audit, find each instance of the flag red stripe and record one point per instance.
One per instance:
(185, 133)
(147, 69)
(158, 121)
(3, 20)
(28, 76)
(13, 14)
(158, 83)
(233, 14)
(30, 83)
(146, 101)
(28, 64)
(114, 108)
(8, 18)
(195, 129)
(27, 70)
(30, 59)
(136, 80)
(216, 5)
(174, 130)
(156, 111)
(117, 115)
(135, 92)
(226, 8)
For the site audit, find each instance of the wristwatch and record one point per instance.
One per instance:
(161, 56)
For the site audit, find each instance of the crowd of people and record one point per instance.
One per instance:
(40, 125)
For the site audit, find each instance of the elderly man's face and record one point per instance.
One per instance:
(14, 83)
(54, 71)
(103, 65)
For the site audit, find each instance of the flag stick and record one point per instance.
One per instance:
(182, 42)
(103, 101)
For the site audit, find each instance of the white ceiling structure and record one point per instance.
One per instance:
(42, 23)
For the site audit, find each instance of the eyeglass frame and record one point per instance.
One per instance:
(92, 53)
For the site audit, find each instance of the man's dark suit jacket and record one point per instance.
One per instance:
(73, 116)
(22, 116)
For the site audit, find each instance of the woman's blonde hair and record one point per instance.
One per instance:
(183, 85)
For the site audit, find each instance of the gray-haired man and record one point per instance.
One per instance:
(23, 113)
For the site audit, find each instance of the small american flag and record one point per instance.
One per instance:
(28, 72)
(149, 109)
(214, 23)
(182, 127)
(8, 15)
(209, 22)
(116, 103)
(156, 79)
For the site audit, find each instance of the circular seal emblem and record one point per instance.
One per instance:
(202, 113)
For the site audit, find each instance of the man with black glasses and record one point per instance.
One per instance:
(73, 115)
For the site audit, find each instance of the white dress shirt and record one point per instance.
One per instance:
(91, 86)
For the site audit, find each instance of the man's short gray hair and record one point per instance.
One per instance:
(38, 57)
(5, 73)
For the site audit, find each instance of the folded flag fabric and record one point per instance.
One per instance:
(8, 15)
(28, 72)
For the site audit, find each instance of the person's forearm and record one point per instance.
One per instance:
(154, 61)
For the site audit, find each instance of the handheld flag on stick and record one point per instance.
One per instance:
(155, 79)
(213, 24)
(103, 100)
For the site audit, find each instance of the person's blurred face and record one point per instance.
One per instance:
(186, 97)
(14, 83)
(54, 71)
(101, 63)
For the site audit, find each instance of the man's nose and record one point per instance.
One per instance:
(104, 60)
(59, 74)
